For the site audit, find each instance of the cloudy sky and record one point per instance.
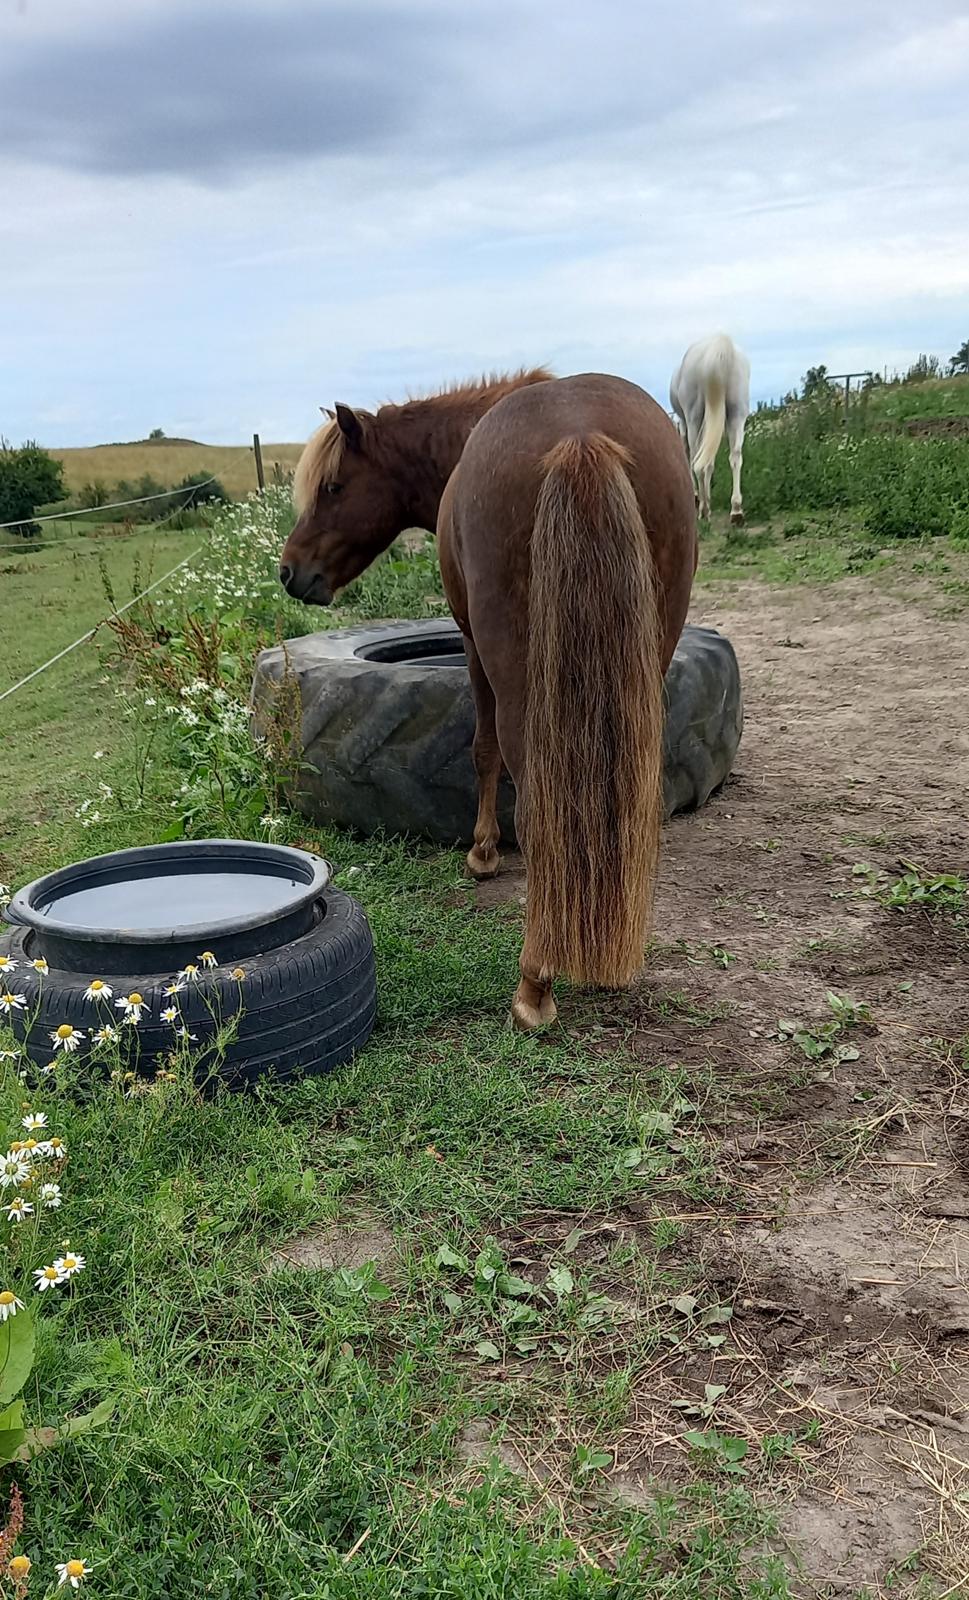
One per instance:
(219, 214)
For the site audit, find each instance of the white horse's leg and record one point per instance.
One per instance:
(735, 440)
(705, 481)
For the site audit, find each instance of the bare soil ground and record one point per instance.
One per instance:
(846, 1256)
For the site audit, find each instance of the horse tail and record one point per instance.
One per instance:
(718, 363)
(593, 792)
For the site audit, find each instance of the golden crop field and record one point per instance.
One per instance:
(169, 461)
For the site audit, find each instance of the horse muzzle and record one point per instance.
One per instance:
(309, 587)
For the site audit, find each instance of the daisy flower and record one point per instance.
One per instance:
(7, 964)
(106, 1035)
(19, 1568)
(9, 1304)
(48, 1068)
(207, 958)
(12, 1002)
(238, 973)
(173, 988)
(13, 1170)
(191, 973)
(55, 1147)
(9, 1055)
(34, 1120)
(97, 989)
(170, 1014)
(50, 1195)
(40, 965)
(68, 1265)
(66, 1037)
(17, 1209)
(72, 1572)
(183, 1033)
(32, 1147)
(47, 1278)
(132, 1005)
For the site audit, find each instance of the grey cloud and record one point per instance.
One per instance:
(214, 91)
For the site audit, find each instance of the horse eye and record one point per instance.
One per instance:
(334, 488)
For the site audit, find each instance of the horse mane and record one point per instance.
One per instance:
(323, 452)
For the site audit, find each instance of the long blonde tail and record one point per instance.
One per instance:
(593, 796)
(714, 419)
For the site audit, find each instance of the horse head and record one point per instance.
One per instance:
(349, 508)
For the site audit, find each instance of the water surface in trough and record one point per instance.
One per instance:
(172, 900)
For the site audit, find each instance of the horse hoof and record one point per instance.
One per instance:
(736, 519)
(482, 867)
(526, 1018)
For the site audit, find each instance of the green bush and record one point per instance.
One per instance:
(29, 478)
(902, 487)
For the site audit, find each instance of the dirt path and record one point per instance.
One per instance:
(855, 750)
(848, 1264)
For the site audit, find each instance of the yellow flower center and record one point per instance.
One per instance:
(29, 1144)
(75, 1569)
(7, 1298)
(57, 1144)
(16, 1147)
(207, 955)
(19, 1567)
(64, 1031)
(135, 1000)
(51, 1274)
(8, 998)
(70, 1262)
(239, 973)
(97, 986)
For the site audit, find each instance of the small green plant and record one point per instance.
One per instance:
(925, 891)
(712, 1392)
(821, 1040)
(721, 1450)
(588, 1460)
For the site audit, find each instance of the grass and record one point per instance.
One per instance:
(308, 1433)
(52, 727)
(937, 397)
(170, 462)
(300, 1433)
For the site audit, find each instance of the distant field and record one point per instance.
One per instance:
(169, 461)
(938, 397)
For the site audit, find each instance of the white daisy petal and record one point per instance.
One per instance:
(9, 1304)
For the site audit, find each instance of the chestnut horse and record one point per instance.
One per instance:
(567, 536)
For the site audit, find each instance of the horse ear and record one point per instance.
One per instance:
(350, 426)
(326, 412)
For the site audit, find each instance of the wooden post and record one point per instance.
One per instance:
(260, 475)
(847, 396)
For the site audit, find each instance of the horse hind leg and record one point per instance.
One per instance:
(483, 858)
(735, 439)
(533, 1003)
(704, 482)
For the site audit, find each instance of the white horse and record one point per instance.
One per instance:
(711, 390)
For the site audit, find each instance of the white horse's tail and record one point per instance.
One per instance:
(718, 363)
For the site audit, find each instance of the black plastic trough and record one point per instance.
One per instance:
(156, 909)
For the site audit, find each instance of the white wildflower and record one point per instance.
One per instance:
(66, 1037)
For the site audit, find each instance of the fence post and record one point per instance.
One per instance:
(260, 476)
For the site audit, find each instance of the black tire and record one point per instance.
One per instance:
(387, 734)
(305, 1008)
